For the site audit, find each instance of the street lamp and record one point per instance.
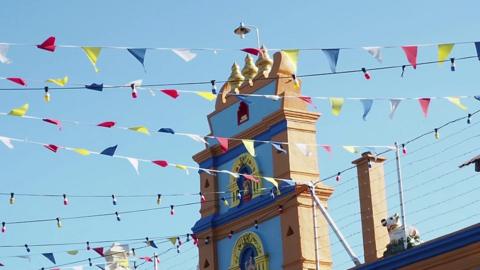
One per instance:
(243, 29)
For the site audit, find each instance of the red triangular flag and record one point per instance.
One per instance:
(107, 124)
(51, 147)
(307, 100)
(20, 81)
(170, 92)
(250, 177)
(424, 103)
(147, 259)
(253, 51)
(52, 121)
(99, 250)
(411, 53)
(223, 143)
(161, 163)
(327, 148)
(48, 44)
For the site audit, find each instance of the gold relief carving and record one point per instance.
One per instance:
(245, 160)
(249, 239)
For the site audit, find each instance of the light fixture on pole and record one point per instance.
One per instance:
(244, 29)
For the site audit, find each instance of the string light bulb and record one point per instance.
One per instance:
(134, 90)
(296, 83)
(230, 235)
(195, 239)
(452, 64)
(59, 223)
(179, 241)
(114, 200)
(46, 96)
(172, 211)
(202, 197)
(225, 201)
(256, 224)
(468, 118)
(207, 240)
(239, 195)
(159, 199)
(90, 262)
(188, 237)
(65, 199)
(4, 227)
(12, 198)
(27, 248)
(404, 149)
(280, 209)
(133, 252)
(403, 71)
(272, 193)
(338, 177)
(88, 245)
(118, 216)
(366, 74)
(214, 87)
(437, 135)
(369, 163)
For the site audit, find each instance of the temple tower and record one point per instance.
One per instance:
(246, 222)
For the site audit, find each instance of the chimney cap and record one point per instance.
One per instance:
(369, 156)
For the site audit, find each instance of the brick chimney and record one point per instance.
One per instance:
(373, 205)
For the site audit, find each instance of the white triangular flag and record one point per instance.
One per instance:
(78, 267)
(304, 149)
(134, 163)
(3, 54)
(235, 175)
(393, 106)
(7, 142)
(196, 138)
(376, 52)
(272, 97)
(185, 54)
(137, 83)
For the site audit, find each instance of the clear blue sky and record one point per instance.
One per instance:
(283, 24)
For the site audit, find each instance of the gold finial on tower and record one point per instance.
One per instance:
(264, 63)
(249, 71)
(234, 81)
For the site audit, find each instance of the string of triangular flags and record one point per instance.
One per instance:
(222, 141)
(187, 54)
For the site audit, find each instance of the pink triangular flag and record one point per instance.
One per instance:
(250, 177)
(411, 53)
(17, 80)
(99, 250)
(253, 51)
(308, 100)
(327, 148)
(48, 44)
(53, 122)
(424, 103)
(170, 92)
(107, 124)
(161, 163)
(51, 147)
(223, 143)
(147, 259)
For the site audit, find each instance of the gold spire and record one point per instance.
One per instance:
(249, 70)
(234, 81)
(264, 62)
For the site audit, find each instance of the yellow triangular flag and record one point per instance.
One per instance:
(182, 167)
(60, 81)
(20, 111)
(249, 145)
(173, 240)
(93, 53)
(72, 252)
(336, 103)
(140, 129)
(207, 95)
(82, 151)
(443, 52)
(293, 57)
(272, 181)
(457, 102)
(350, 149)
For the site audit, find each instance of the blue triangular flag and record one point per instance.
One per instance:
(50, 257)
(477, 97)
(332, 56)
(244, 99)
(152, 244)
(101, 266)
(166, 130)
(477, 47)
(279, 148)
(139, 54)
(109, 151)
(94, 86)
(367, 105)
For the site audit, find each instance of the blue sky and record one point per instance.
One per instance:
(283, 24)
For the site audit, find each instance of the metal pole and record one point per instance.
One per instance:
(334, 227)
(400, 192)
(315, 233)
(155, 267)
(258, 34)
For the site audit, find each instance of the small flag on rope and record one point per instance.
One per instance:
(170, 92)
(411, 53)
(93, 53)
(48, 44)
(20, 111)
